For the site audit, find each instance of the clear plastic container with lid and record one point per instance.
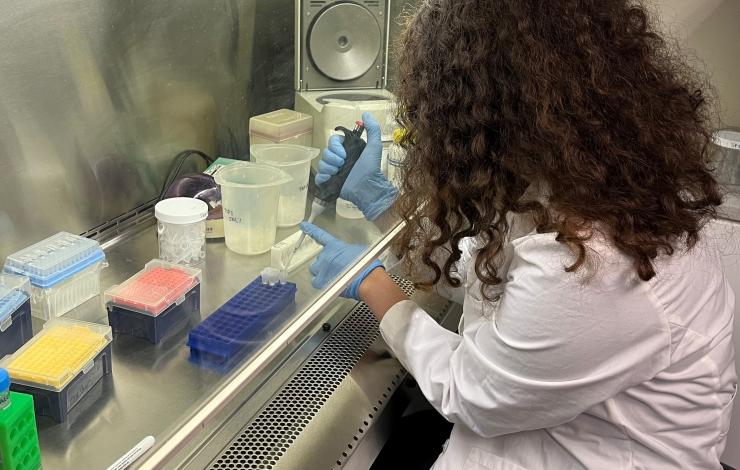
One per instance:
(155, 301)
(726, 157)
(181, 230)
(60, 365)
(283, 126)
(64, 271)
(15, 313)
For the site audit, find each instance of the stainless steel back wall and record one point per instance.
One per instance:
(97, 96)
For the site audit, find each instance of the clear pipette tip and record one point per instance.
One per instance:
(317, 208)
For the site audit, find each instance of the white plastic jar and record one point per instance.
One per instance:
(181, 229)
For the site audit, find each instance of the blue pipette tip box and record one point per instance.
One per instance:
(15, 313)
(19, 331)
(54, 259)
(236, 326)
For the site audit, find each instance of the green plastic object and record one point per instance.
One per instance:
(19, 441)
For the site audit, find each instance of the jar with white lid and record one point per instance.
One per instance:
(181, 229)
(726, 157)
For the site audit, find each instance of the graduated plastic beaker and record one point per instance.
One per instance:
(250, 193)
(295, 160)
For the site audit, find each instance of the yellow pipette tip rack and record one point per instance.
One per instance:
(57, 354)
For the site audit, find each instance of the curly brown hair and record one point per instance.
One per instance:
(581, 98)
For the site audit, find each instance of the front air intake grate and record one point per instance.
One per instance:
(270, 434)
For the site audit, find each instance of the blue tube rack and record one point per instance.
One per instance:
(235, 327)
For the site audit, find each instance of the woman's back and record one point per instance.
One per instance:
(676, 334)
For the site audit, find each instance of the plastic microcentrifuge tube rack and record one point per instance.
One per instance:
(239, 322)
(222, 336)
(19, 442)
(260, 298)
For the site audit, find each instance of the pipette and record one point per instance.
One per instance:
(328, 192)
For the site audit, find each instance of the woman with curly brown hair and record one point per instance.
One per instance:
(557, 184)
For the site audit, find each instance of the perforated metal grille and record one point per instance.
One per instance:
(268, 436)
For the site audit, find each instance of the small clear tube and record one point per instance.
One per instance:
(273, 276)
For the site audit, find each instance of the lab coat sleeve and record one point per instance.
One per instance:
(557, 344)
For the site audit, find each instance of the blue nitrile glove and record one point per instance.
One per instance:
(366, 186)
(334, 259)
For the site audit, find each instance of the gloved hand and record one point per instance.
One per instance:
(334, 259)
(366, 186)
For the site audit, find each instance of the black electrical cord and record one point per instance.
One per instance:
(176, 167)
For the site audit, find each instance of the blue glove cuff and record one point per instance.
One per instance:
(353, 290)
(376, 208)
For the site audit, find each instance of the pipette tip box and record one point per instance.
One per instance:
(155, 302)
(64, 270)
(60, 365)
(15, 313)
(237, 324)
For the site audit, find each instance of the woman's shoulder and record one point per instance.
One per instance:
(688, 273)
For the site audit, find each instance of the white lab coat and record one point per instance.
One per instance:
(592, 370)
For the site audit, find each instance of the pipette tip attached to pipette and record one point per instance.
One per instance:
(328, 192)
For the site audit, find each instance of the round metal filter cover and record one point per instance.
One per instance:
(344, 41)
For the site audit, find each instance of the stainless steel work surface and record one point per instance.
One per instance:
(154, 389)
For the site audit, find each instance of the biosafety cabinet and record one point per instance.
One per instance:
(93, 110)
(94, 106)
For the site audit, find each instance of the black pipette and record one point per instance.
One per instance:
(328, 192)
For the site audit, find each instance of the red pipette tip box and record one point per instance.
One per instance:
(155, 288)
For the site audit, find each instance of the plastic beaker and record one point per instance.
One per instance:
(250, 193)
(295, 160)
